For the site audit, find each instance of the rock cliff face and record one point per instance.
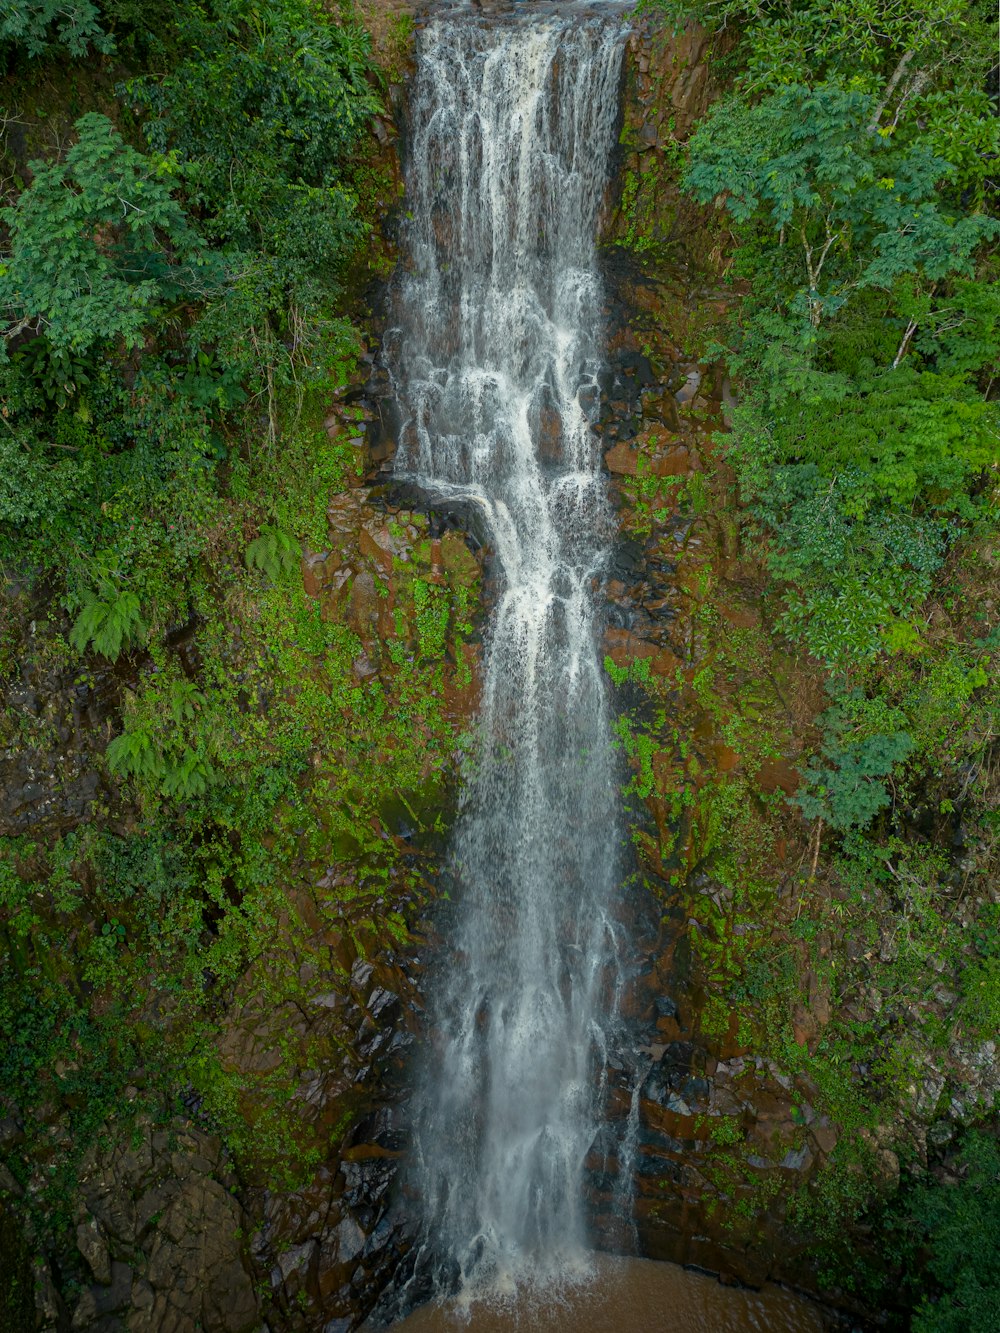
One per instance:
(715, 718)
(713, 713)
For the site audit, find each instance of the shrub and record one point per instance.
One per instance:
(99, 245)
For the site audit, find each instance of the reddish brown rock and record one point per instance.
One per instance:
(622, 460)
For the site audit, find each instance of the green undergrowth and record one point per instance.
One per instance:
(17, 1294)
(268, 766)
(849, 935)
(189, 194)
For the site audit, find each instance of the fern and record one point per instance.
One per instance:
(109, 622)
(185, 701)
(134, 755)
(274, 553)
(189, 776)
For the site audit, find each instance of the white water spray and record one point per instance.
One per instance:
(497, 360)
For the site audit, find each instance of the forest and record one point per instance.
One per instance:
(198, 204)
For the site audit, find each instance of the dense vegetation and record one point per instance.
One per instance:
(187, 188)
(187, 193)
(854, 162)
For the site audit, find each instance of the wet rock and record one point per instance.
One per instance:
(50, 1312)
(376, 546)
(11, 1133)
(348, 1241)
(622, 460)
(195, 1268)
(548, 434)
(825, 1137)
(797, 1159)
(314, 573)
(97, 1303)
(93, 1245)
(8, 1183)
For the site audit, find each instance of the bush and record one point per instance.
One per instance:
(42, 27)
(952, 1236)
(99, 245)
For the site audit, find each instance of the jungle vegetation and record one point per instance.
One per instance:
(187, 191)
(186, 199)
(853, 163)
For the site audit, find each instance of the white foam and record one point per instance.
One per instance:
(512, 126)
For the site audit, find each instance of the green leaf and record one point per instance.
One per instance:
(274, 553)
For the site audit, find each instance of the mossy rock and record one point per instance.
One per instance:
(416, 815)
(458, 562)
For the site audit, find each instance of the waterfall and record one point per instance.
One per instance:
(496, 359)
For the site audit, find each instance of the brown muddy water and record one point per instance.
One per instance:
(632, 1296)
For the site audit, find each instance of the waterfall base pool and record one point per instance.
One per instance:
(635, 1296)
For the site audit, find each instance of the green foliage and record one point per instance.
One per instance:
(431, 604)
(98, 245)
(863, 433)
(109, 622)
(861, 211)
(133, 755)
(958, 330)
(921, 64)
(980, 978)
(848, 790)
(898, 439)
(169, 752)
(176, 332)
(266, 105)
(41, 27)
(17, 1283)
(172, 294)
(951, 1234)
(853, 576)
(274, 552)
(854, 156)
(640, 748)
(189, 776)
(636, 672)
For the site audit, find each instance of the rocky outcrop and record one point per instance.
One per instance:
(669, 85)
(725, 1138)
(159, 1228)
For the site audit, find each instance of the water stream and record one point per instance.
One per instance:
(496, 358)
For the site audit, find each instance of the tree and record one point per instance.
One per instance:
(268, 104)
(99, 245)
(954, 1233)
(39, 27)
(266, 109)
(923, 63)
(862, 212)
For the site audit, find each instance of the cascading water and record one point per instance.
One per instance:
(496, 360)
